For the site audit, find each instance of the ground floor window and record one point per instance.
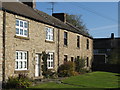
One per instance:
(87, 62)
(72, 59)
(65, 58)
(50, 60)
(21, 60)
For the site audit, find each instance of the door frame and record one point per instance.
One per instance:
(39, 64)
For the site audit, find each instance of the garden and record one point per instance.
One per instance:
(69, 75)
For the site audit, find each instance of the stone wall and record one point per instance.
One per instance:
(1, 45)
(71, 50)
(36, 43)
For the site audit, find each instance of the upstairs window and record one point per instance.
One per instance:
(21, 28)
(21, 60)
(87, 44)
(50, 60)
(49, 34)
(65, 38)
(78, 41)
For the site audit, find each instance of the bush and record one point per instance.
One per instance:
(22, 81)
(79, 65)
(66, 69)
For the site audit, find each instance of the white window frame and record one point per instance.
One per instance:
(21, 60)
(23, 28)
(50, 60)
(49, 34)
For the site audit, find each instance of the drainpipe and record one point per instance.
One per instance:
(4, 30)
(58, 46)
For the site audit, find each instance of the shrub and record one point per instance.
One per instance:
(66, 69)
(44, 66)
(22, 81)
(79, 64)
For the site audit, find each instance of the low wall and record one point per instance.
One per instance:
(106, 67)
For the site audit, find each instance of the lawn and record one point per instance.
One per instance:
(88, 80)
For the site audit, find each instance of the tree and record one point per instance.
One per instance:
(76, 21)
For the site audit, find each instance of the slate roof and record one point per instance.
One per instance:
(21, 9)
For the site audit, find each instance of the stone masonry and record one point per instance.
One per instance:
(36, 43)
(1, 46)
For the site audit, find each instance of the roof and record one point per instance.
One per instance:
(106, 43)
(21, 9)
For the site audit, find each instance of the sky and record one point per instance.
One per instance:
(100, 18)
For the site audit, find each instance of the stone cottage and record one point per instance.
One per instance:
(26, 32)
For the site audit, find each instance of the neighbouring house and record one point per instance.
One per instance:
(26, 32)
(103, 48)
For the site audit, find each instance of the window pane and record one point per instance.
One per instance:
(49, 57)
(16, 65)
(48, 64)
(25, 32)
(21, 64)
(17, 22)
(21, 31)
(21, 55)
(21, 24)
(51, 64)
(17, 30)
(25, 55)
(16, 55)
(25, 64)
(25, 24)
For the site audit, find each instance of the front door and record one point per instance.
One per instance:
(37, 65)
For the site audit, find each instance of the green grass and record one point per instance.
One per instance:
(88, 80)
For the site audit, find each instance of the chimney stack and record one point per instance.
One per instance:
(60, 16)
(30, 3)
(112, 35)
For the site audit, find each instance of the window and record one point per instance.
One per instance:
(21, 60)
(87, 62)
(65, 58)
(78, 57)
(50, 60)
(72, 59)
(65, 38)
(87, 43)
(21, 28)
(78, 41)
(49, 34)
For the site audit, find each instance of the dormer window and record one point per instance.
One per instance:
(21, 28)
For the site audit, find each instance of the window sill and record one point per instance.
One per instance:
(20, 37)
(21, 71)
(77, 47)
(65, 46)
(49, 41)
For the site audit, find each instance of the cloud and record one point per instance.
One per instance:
(104, 27)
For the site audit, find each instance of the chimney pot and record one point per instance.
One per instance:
(112, 35)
